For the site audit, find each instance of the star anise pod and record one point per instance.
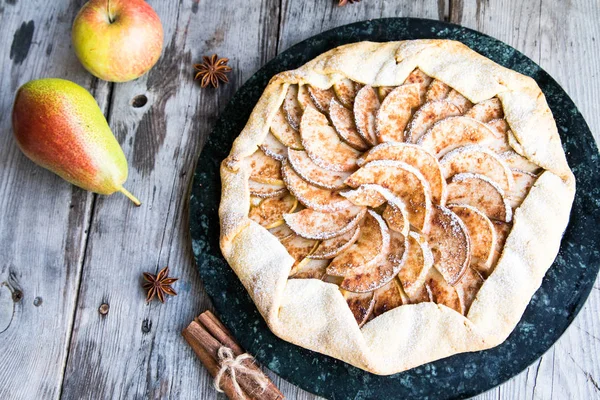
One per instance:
(159, 285)
(344, 2)
(212, 70)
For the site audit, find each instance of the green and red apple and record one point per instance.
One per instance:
(117, 40)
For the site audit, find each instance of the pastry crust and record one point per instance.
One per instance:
(314, 314)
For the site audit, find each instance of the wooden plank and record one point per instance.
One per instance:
(570, 40)
(303, 19)
(136, 350)
(569, 52)
(563, 39)
(44, 219)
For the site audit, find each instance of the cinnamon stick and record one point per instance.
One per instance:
(222, 334)
(194, 335)
(217, 329)
(206, 334)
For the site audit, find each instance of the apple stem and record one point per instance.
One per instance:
(130, 196)
(110, 18)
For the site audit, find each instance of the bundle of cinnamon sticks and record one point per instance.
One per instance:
(206, 335)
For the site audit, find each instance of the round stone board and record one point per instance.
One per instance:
(553, 307)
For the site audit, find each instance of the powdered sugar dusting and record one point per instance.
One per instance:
(332, 247)
(311, 196)
(506, 208)
(486, 80)
(317, 225)
(469, 175)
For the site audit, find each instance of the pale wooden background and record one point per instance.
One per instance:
(64, 252)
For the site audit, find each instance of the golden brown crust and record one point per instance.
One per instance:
(314, 314)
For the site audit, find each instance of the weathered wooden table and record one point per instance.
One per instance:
(64, 252)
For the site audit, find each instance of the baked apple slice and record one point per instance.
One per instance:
(482, 235)
(366, 105)
(513, 143)
(459, 101)
(336, 280)
(415, 156)
(367, 195)
(304, 98)
(419, 260)
(450, 244)
(437, 90)
(371, 246)
(499, 125)
(421, 79)
(395, 112)
(291, 107)
(283, 131)
(501, 142)
(313, 174)
(467, 288)
(396, 216)
(299, 248)
(486, 110)
(323, 144)
(426, 116)
(361, 305)
(454, 132)
(269, 213)
(370, 277)
(330, 248)
(441, 292)
(395, 212)
(264, 169)
(345, 90)
(423, 295)
(321, 97)
(282, 232)
(523, 182)
(383, 91)
(255, 201)
(343, 122)
(310, 269)
(477, 160)
(312, 196)
(266, 190)
(516, 161)
(502, 231)
(387, 298)
(404, 181)
(317, 225)
(273, 147)
(480, 192)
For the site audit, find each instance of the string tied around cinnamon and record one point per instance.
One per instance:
(235, 365)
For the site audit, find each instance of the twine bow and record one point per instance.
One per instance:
(235, 365)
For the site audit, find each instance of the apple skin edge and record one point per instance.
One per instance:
(59, 126)
(117, 40)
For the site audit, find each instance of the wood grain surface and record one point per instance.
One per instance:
(65, 252)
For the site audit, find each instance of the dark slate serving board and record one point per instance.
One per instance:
(553, 307)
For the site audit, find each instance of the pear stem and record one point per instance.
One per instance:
(130, 196)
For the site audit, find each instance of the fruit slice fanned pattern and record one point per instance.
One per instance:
(398, 195)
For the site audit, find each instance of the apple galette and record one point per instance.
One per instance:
(390, 204)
